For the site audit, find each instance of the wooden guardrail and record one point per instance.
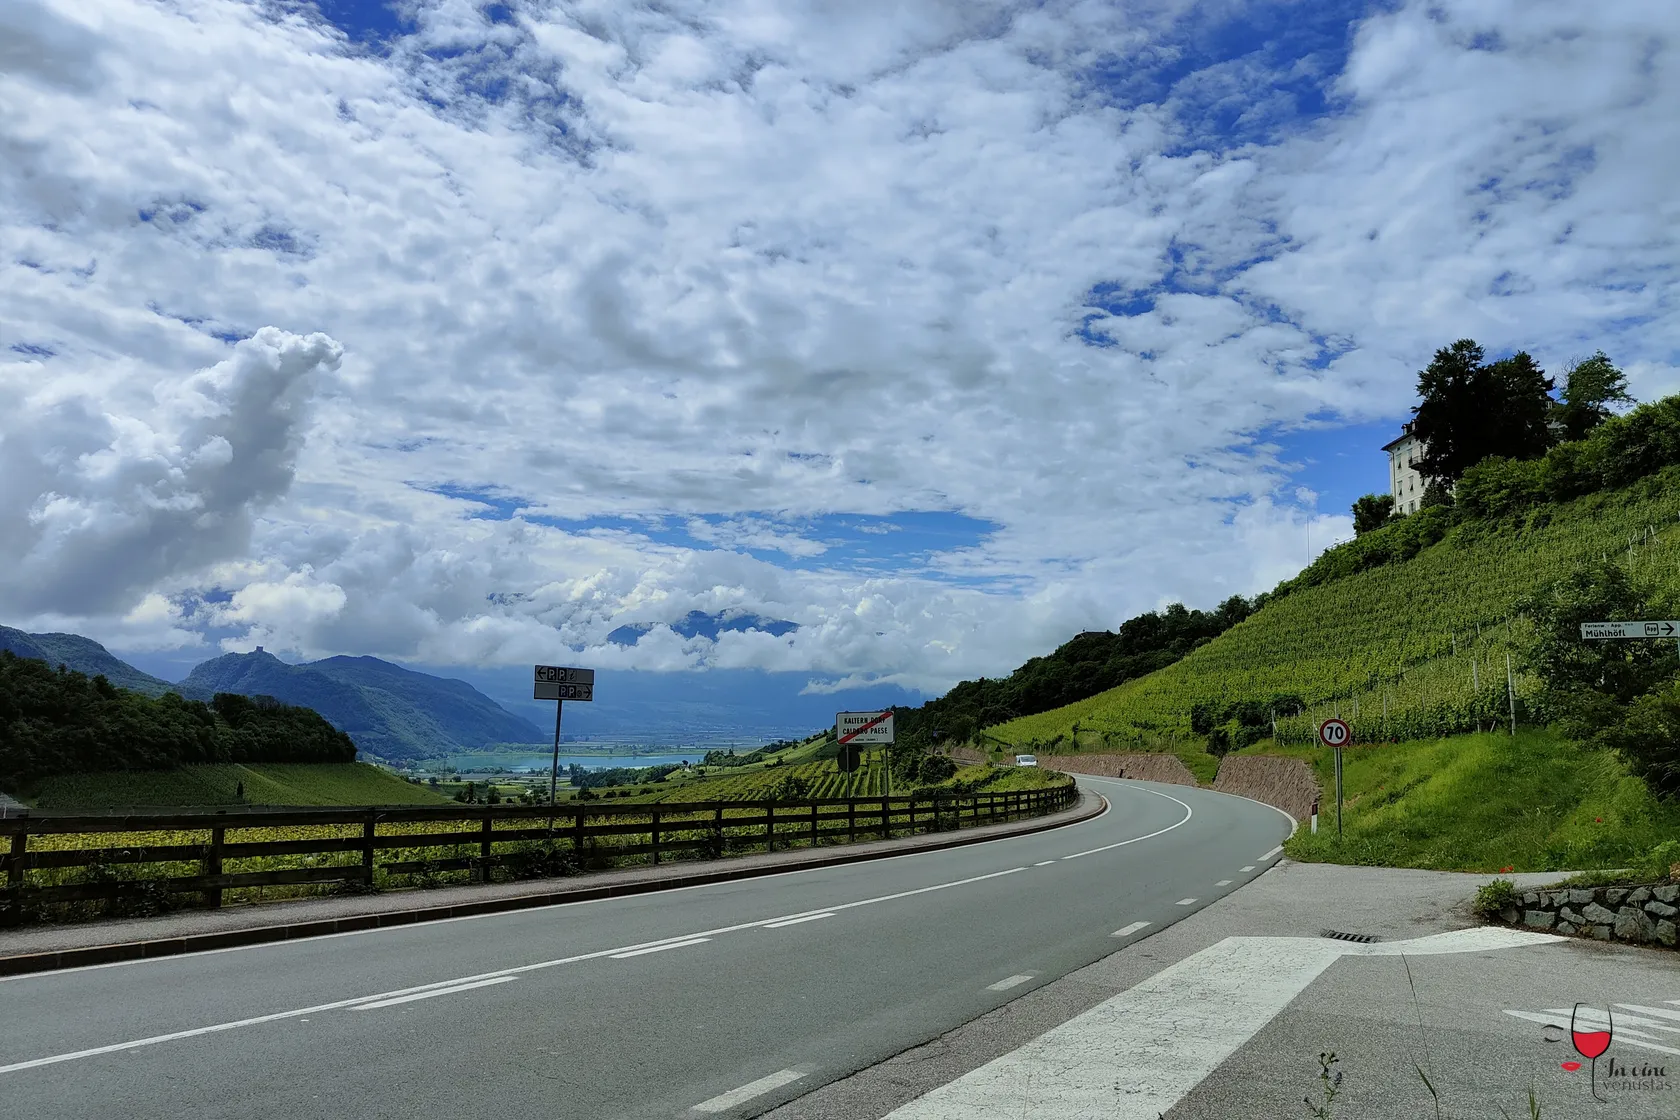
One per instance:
(47, 858)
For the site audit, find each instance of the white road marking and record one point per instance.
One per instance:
(1127, 931)
(618, 952)
(1188, 813)
(656, 949)
(1250, 867)
(1271, 853)
(47, 974)
(1185, 902)
(1627, 1027)
(747, 1092)
(1009, 982)
(1135, 1056)
(1044, 863)
(434, 992)
(1223, 883)
(797, 921)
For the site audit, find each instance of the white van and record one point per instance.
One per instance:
(1026, 760)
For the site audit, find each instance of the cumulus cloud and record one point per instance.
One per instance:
(605, 268)
(98, 508)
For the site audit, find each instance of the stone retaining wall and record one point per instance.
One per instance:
(1287, 783)
(1146, 767)
(1639, 915)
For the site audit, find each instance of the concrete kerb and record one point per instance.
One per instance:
(1088, 806)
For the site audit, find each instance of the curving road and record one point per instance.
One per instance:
(717, 1000)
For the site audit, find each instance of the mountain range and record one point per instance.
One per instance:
(83, 655)
(389, 712)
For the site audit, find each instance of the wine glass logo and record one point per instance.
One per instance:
(1590, 1038)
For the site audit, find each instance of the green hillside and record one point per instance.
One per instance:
(1533, 802)
(351, 783)
(83, 655)
(1397, 649)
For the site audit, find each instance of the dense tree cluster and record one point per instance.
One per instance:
(55, 721)
(1623, 695)
(1091, 663)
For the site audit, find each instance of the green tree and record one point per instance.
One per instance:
(1590, 387)
(1372, 512)
(1468, 410)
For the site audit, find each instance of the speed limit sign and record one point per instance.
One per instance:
(1334, 733)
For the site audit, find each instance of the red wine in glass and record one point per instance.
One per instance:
(1589, 1041)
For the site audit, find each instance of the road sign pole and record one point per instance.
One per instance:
(554, 769)
(1338, 795)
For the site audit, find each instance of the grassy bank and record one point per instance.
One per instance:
(1485, 802)
(347, 783)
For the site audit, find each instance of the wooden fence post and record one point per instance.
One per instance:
(912, 814)
(886, 820)
(813, 824)
(367, 846)
(486, 836)
(851, 820)
(769, 826)
(14, 864)
(717, 827)
(655, 835)
(577, 831)
(213, 866)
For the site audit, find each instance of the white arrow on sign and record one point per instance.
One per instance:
(560, 674)
(1661, 628)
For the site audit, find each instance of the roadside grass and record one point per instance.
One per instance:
(345, 783)
(1489, 802)
(1191, 751)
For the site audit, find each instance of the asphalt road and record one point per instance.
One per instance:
(718, 1000)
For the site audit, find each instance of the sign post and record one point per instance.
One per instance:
(560, 684)
(855, 730)
(1336, 734)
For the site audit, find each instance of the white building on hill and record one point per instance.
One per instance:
(1404, 482)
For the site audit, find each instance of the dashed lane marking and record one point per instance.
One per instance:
(1009, 982)
(725, 1101)
(1271, 853)
(657, 948)
(1223, 883)
(1127, 931)
(1250, 867)
(1044, 863)
(1185, 902)
(376, 1004)
(797, 921)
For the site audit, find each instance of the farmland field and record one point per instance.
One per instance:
(349, 783)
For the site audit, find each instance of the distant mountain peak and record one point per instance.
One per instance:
(700, 624)
(83, 655)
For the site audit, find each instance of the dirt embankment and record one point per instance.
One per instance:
(1287, 783)
(1147, 767)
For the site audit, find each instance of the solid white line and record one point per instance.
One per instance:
(657, 949)
(410, 927)
(433, 992)
(796, 921)
(1223, 883)
(1127, 931)
(1159, 1039)
(1009, 982)
(1271, 853)
(1188, 813)
(750, 1090)
(1250, 867)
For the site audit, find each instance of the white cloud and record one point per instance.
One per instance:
(743, 265)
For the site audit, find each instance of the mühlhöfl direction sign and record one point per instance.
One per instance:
(1665, 628)
(864, 728)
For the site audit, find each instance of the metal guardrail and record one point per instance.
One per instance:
(528, 841)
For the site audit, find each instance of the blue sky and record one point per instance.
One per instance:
(467, 334)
